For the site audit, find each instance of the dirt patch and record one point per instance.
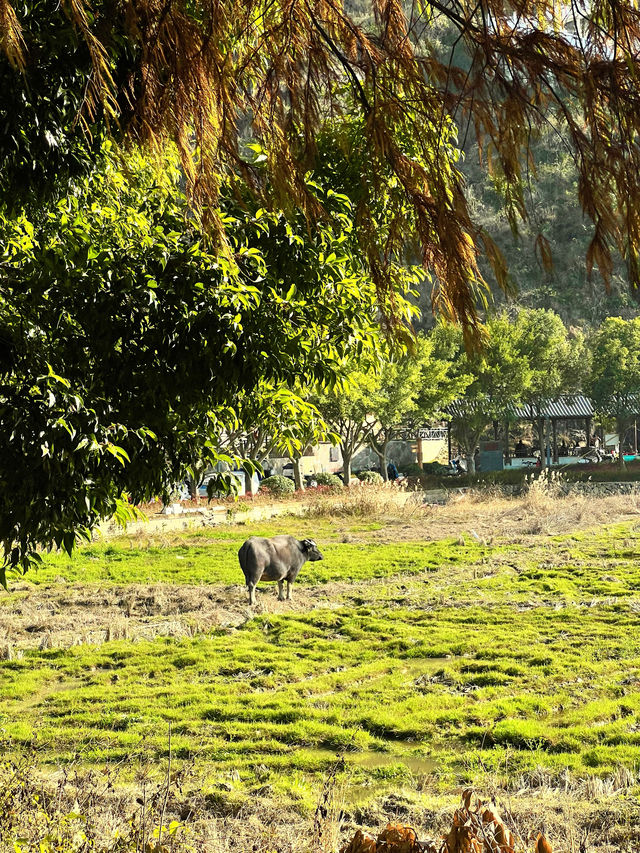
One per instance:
(60, 616)
(508, 519)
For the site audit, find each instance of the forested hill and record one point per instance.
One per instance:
(555, 213)
(552, 200)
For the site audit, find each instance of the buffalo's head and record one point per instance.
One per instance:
(311, 550)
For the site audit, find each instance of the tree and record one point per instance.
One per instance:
(270, 418)
(493, 380)
(557, 362)
(528, 359)
(127, 345)
(265, 419)
(411, 387)
(212, 75)
(345, 408)
(310, 433)
(614, 383)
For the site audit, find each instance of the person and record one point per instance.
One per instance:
(563, 448)
(392, 471)
(598, 451)
(520, 448)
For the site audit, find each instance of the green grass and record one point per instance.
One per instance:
(557, 687)
(216, 561)
(478, 658)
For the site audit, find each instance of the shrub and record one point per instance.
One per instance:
(435, 468)
(370, 477)
(412, 469)
(326, 479)
(278, 485)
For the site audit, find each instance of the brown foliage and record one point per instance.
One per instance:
(11, 41)
(203, 70)
(361, 842)
(542, 845)
(395, 838)
(477, 828)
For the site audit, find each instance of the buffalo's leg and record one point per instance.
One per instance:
(252, 593)
(280, 590)
(289, 587)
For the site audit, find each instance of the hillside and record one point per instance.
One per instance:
(554, 212)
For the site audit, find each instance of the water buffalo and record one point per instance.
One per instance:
(277, 559)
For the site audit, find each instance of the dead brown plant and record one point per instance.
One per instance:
(381, 502)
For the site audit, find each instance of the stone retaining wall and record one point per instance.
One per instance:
(582, 488)
(442, 496)
(589, 488)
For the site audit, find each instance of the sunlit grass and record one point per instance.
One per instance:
(216, 561)
(471, 658)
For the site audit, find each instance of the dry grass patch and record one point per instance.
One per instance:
(122, 807)
(539, 512)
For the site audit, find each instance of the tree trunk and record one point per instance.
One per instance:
(507, 457)
(543, 455)
(470, 458)
(382, 461)
(380, 449)
(297, 474)
(346, 467)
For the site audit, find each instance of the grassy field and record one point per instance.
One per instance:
(486, 643)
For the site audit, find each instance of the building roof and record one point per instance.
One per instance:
(567, 406)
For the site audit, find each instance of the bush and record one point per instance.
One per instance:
(412, 469)
(370, 477)
(325, 479)
(436, 469)
(278, 485)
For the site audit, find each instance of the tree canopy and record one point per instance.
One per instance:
(212, 75)
(614, 380)
(128, 347)
(199, 199)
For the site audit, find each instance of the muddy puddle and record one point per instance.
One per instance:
(418, 765)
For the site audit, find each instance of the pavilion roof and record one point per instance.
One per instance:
(567, 406)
